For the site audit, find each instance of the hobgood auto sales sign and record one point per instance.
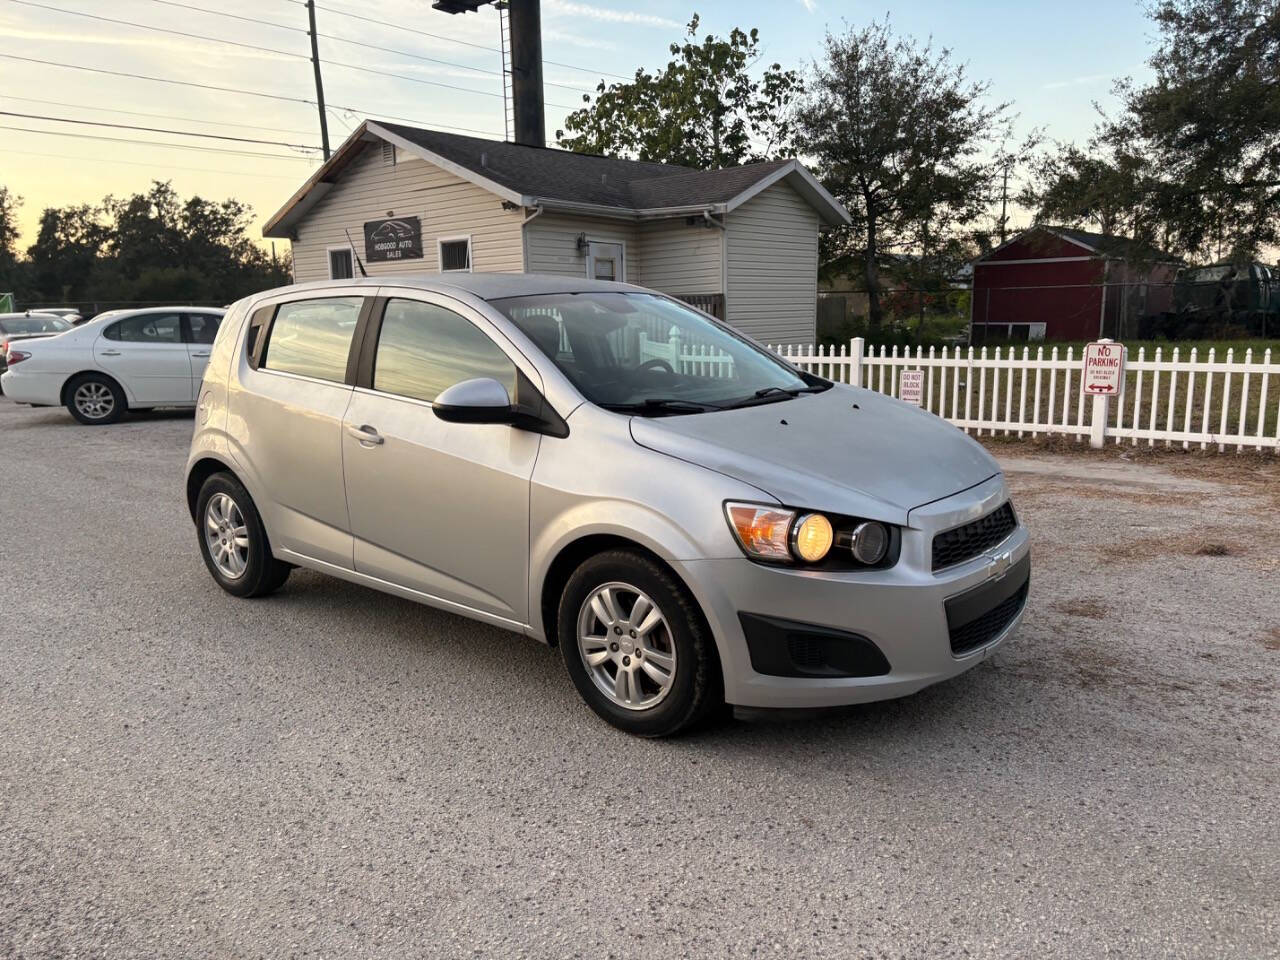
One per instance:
(1103, 368)
(388, 240)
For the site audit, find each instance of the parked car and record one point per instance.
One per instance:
(28, 326)
(688, 524)
(70, 314)
(119, 360)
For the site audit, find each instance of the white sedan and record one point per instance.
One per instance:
(119, 360)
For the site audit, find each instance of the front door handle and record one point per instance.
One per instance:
(365, 434)
(200, 355)
(111, 353)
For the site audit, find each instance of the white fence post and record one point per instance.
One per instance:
(1098, 420)
(857, 347)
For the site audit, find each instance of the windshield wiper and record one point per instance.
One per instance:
(773, 395)
(656, 406)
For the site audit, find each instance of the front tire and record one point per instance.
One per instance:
(636, 646)
(95, 399)
(233, 540)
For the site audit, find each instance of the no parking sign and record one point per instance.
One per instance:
(1103, 368)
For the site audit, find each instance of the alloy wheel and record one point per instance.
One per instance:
(226, 536)
(626, 645)
(94, 400)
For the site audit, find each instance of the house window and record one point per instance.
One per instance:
(341, 263)
(455, 254)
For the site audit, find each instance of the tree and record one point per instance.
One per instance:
(704, 109)
(1192, 161)
(903, 139)
(152, 246)
(9, 203)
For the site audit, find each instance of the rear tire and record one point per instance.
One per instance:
(636, 646)
(95, 399)
(233, 540)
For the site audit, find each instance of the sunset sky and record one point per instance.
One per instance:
(1053, 65)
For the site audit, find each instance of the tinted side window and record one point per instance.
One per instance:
(204, 327)
(313, 337)
(423, 349)
(147, 328)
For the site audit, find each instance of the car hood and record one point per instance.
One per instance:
(846, 450)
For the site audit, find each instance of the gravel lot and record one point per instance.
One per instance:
(334, 772)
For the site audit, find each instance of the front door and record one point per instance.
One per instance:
(146, 354)
(441, 508)
(604, 262)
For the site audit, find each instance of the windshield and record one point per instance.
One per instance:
(644, 352)
(20, 326)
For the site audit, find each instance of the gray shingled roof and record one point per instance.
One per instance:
(587, 178)
(570, 181)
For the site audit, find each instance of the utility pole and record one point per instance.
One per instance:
(315, 63)
(526, 69)
(524, 17)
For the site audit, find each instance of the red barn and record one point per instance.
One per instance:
(1055, 283)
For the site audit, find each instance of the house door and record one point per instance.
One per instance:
(604, 262)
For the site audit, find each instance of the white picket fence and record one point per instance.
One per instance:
(1188, 399)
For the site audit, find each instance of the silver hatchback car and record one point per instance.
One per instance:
(690, 519)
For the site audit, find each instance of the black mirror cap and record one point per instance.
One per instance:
(457, 414)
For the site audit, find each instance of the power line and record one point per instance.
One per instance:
(261, 49)
(156, 143)
(140, 113)
(234, 16)
(184, 133)
(151, 165)
(356, 43)
(465, 43)
(360, 111)
(144, 26)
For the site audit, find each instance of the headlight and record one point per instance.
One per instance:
(812, 537)
(869, 542)
(783, 535)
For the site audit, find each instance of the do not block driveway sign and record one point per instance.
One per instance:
(1103, 368)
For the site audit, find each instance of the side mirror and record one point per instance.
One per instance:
(482, 400)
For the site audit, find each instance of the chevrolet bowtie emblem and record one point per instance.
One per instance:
(1000, 565)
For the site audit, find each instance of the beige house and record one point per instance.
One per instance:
(741, 243)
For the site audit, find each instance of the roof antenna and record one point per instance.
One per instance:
(363, 272)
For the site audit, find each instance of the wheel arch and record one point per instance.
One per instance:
(574, 554)
(200, 471)
(64, 394)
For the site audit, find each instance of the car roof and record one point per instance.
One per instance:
(486, 286)
(24, 314)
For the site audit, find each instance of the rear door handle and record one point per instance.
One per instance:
(365, 434)
(111, 353)
(200, 355)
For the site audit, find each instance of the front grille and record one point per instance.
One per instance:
(988, 626)
(966, 542)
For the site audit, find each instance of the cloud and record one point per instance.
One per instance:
(810, 5)
(612, 16)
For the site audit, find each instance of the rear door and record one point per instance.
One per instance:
(145, 352)
(199, 330)
(441, 508)
(285, 418)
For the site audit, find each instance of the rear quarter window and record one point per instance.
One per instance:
(312, 338)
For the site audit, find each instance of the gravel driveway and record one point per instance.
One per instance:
(337, 773)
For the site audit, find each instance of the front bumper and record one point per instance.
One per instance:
(903, 610)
